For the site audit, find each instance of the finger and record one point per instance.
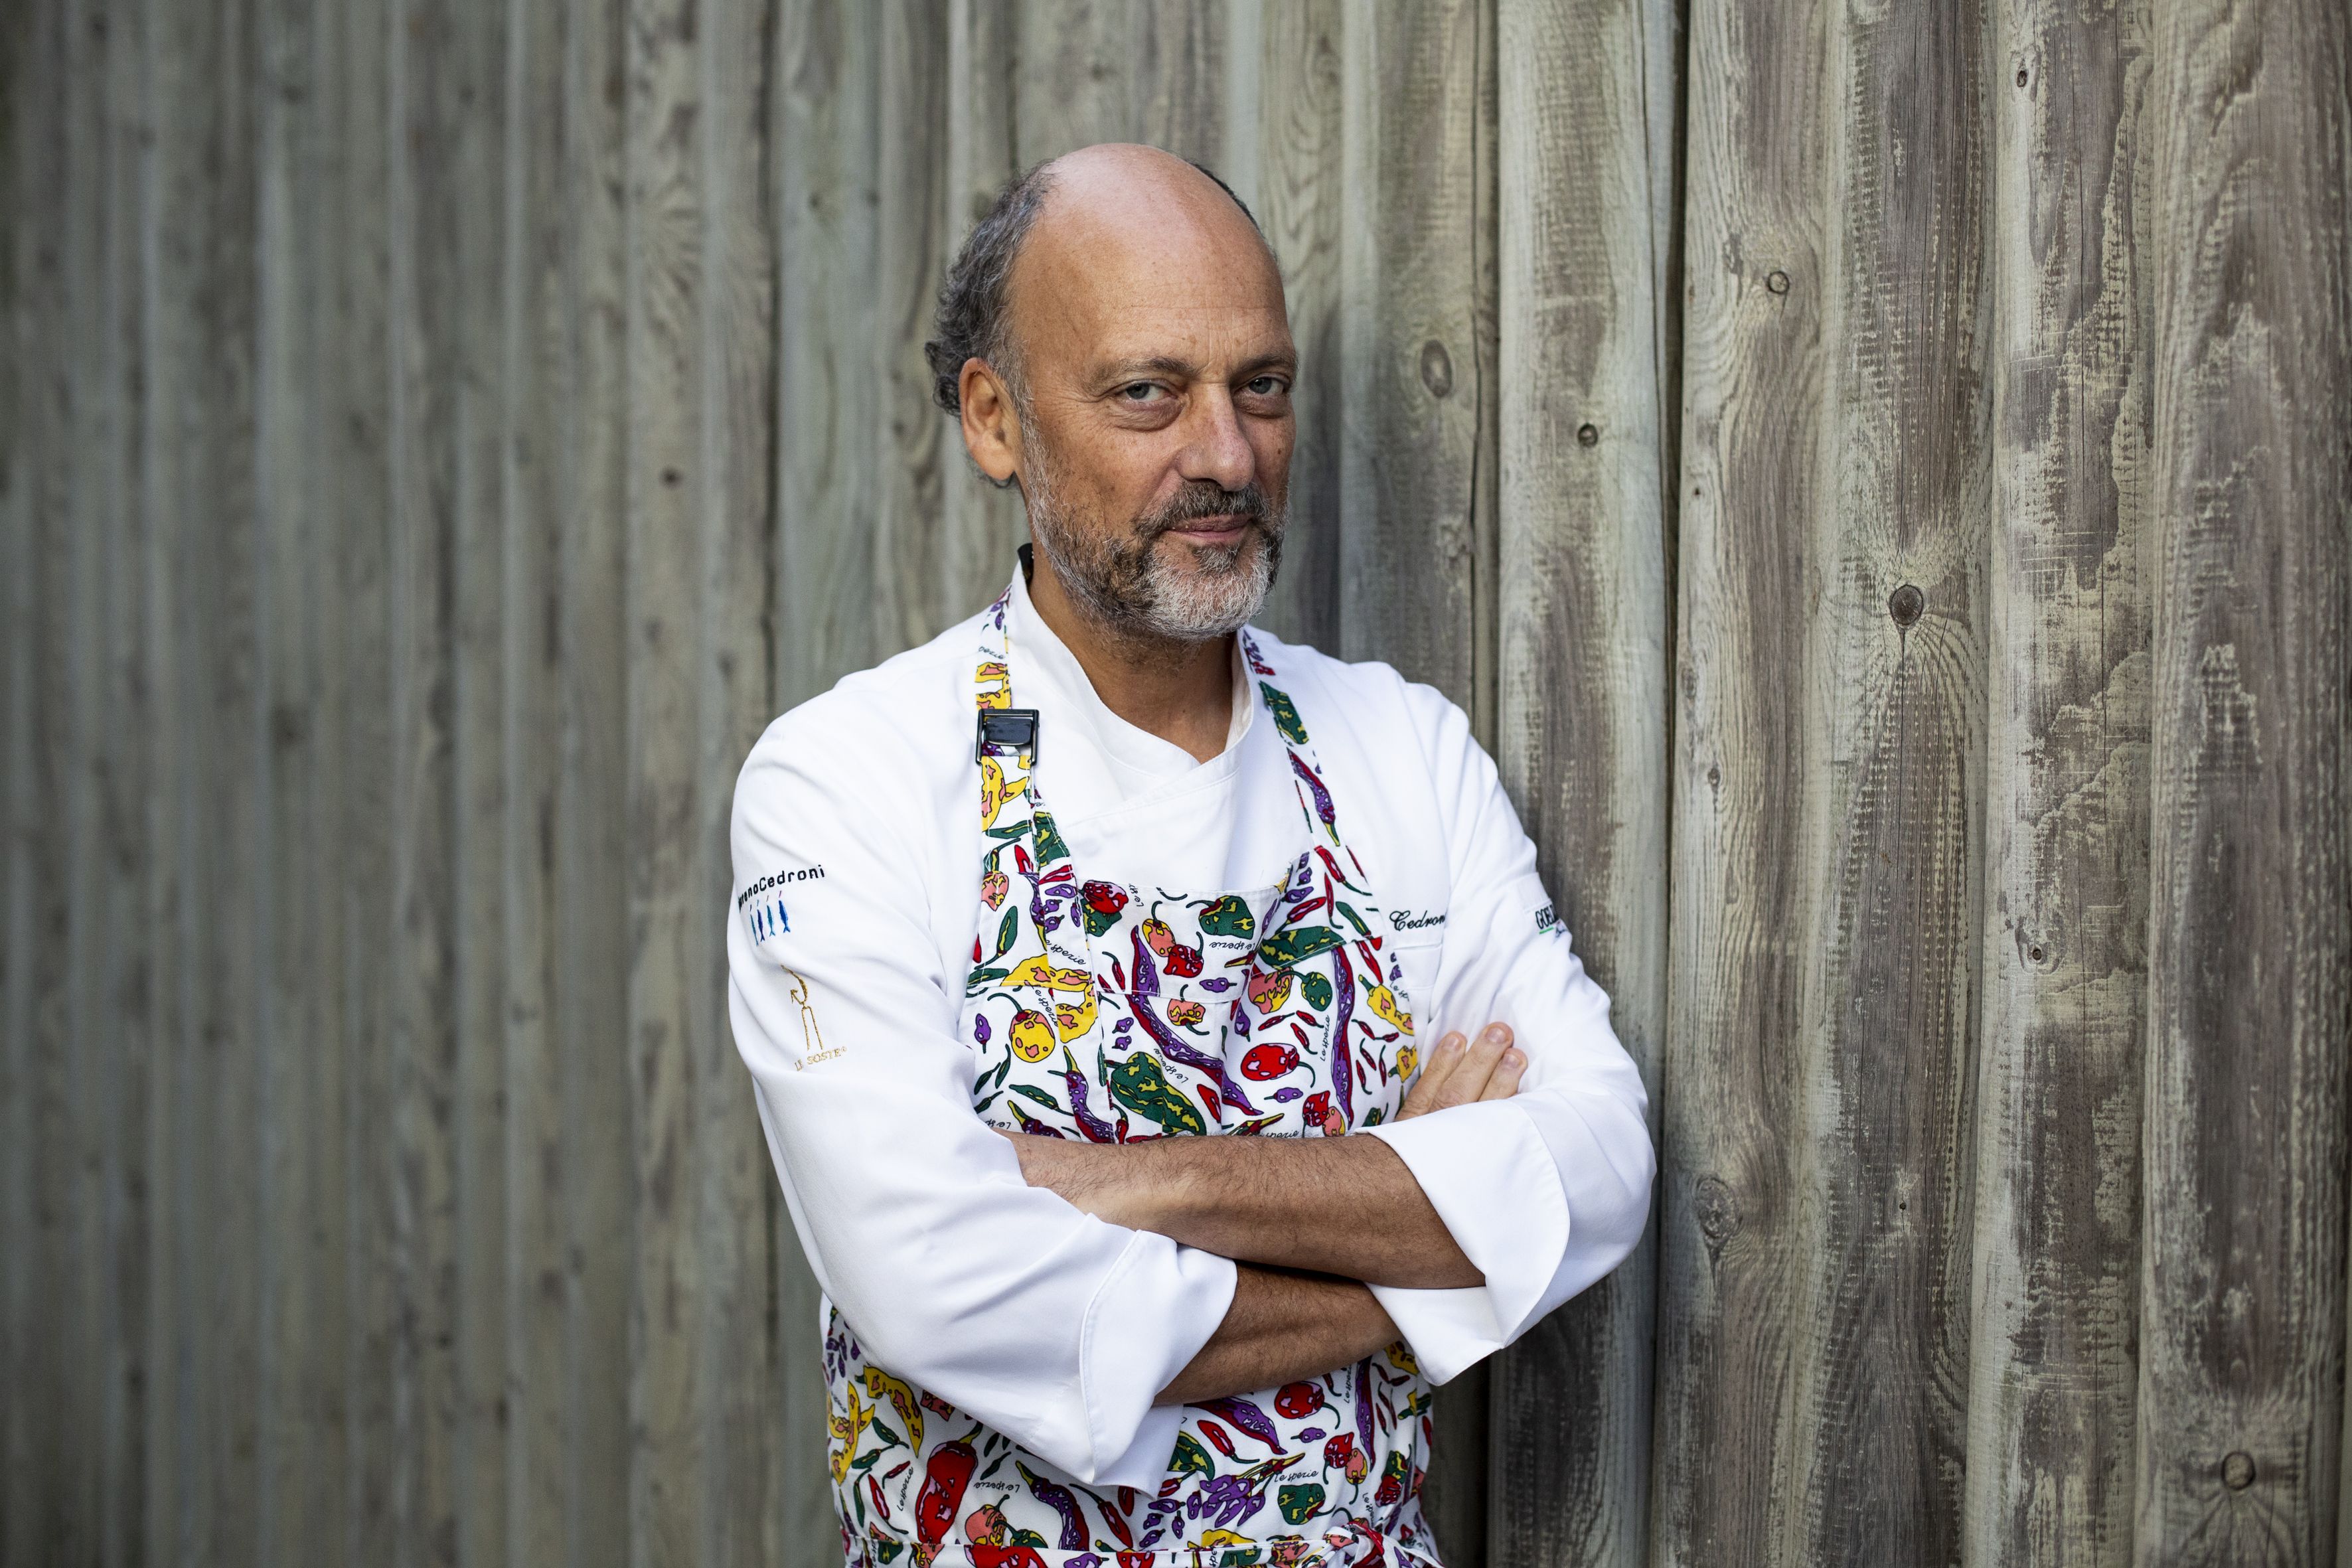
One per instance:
(1436, 1070)
(1503, 1081)
(1469, 1080)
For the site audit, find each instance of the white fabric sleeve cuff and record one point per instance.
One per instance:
(1155, 1280)
(1489, 1171)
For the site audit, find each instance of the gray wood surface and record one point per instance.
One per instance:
(2053, 1373)
(1877, 477)
(2250, 933)
(1583, 637)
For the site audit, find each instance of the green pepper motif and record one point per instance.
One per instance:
(1140, 1085)
(1286, 716)
(1048, 839)
(1296, 945)
(1228, 916)
(1191, 1455)
(1317, 988)
(1299, 1503)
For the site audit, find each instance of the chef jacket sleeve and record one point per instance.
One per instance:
(1051, 1326)
(1549, 1190)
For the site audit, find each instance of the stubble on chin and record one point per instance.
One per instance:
(1147, 588)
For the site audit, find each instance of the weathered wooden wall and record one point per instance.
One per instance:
(1879, 477)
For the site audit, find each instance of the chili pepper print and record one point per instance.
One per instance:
(1032, 1035)
(1296, 1401)
(993, 889)
(1314, 990)
(1176, 1050)
(1299, 1503)
(1338, 875)
(1231, 1499)
(1364, 1407)
(1339, 1454)
(1268, 1061)
(1189, 1457)
(1268, 989)
(881, 1385)
(1186, 1012)
(1247, 1417)
(996, 791)
(1285, 714)
(1323, 812)
(1146, 981)
(1249, 650)
(1157, 936)
(1284, 949)
(881, 1503)
(1392, 1475)
(1317, 1109)
(1074, 1081)
(1050, 847)
(1209, 1098)
(1138, 1084)
(846, 1431)
(1063, 1502)
(1343, 1093)
(1227, 916)
(1104, 900)
(1183, 962)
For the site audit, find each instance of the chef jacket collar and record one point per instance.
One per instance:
(1090, 759)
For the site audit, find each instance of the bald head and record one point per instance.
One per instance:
(1112, 196)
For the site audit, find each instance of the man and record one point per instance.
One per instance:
(1026, 915)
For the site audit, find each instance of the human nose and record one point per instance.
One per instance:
(1218, 451)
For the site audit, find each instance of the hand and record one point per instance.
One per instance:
(1459, 1071)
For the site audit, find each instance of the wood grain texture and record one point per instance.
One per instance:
(1731, 1209)
(1417, 445)
(2250, 944)
(698, 467)
(2053, 1369)
(1296, 168)
(1581, 706)
(304, 1182)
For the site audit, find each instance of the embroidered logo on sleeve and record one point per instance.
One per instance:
(813, 1046)
(762, 905)
(1548, 921)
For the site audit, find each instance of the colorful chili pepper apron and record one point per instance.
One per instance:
(1115, 1013)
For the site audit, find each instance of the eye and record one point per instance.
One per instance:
(1141, 393)
(1268, 386)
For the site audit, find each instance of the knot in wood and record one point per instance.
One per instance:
(1776, 281)
(1588, 434)
(1436, 368)
(2237, 1470)
(1718, 1209)
(1905, 604)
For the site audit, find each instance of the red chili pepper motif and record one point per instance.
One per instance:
(1268, 1061)
(874, 1490)
(1207, 1097)
(1337, 1449)
(1104, 898)
(1297, 1400)
(1183, 962)
(944, 1479)
(1028, 868)
(1216, 1434)
(1391, 1482)
(1317, 1109)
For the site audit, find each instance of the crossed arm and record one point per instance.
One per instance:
(1312, 1222)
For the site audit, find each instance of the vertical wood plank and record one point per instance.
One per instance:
(1730, 1207)
(478, 81)
(1297, 169)
(202, 236)
(1582, 718)
(1417, 439)
(1119, 71)
(39, 1482)
(2052, 1372)
(302, 1180)
(700, 466)
(427, 221)
(2250, 948)
(1895, 657)
(355, 47)
(591, 1017)
(126, 787)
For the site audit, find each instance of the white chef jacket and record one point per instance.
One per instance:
(858, 846)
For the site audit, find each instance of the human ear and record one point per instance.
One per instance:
(990, 432)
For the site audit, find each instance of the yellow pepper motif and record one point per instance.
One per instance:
(995, 684)
(1030, 1036)
(880, 1384)
(996, 790)
(1073, 1011)
(1384, 1002)
(846, 1431)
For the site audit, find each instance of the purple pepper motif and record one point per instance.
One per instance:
(1323, 811)
(1343, 1076)
(1174, 1046)
(1247, 1416)
(1058, 1498)
(1147, 973)
(1096, 1130)
(1364, 1405)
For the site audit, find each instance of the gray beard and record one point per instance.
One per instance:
(1130, 589)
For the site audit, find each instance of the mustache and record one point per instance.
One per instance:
(1201, 498)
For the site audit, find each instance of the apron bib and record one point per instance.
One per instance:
(1102, 1010)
